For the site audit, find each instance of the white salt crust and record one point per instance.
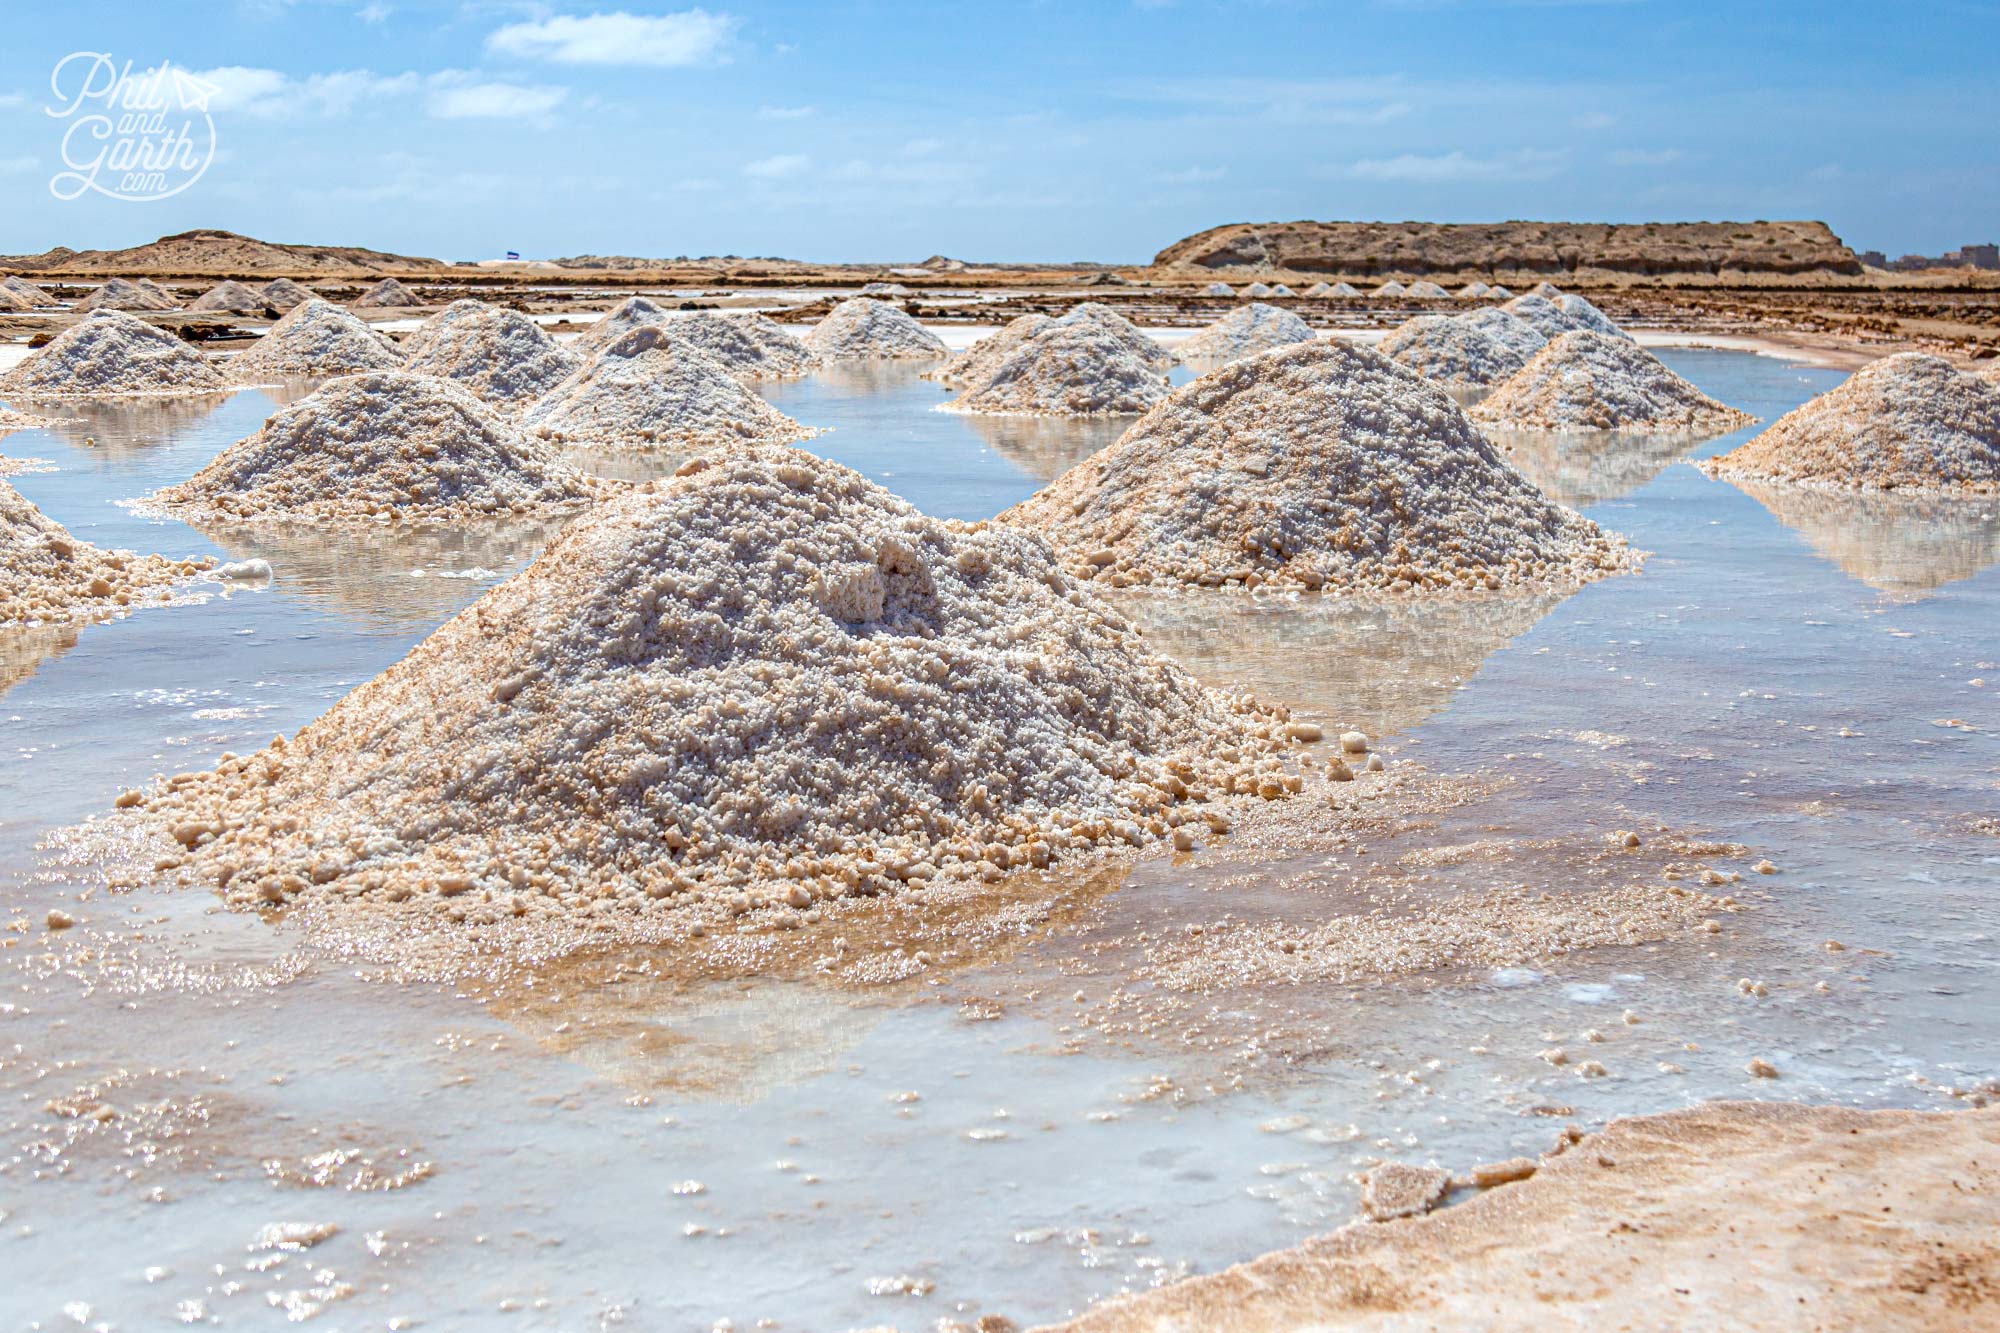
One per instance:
(48, 576)
(1318, 465)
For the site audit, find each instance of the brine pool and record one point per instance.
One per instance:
(1810, 680)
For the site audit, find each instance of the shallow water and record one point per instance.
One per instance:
(1777, 677)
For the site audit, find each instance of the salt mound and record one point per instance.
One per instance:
(36, 298)
(1583, 315)
(420, 337)
(1079, 365)
(282, 294)
(387, 444)
(1255, 289)
(1990, 371)
(229, 297)
(1515, 333)
(317, 339)
(747, 346)
(502, 356)
(48, 576)
(765, 683)
(861, 329)
(1218, 289)
(1323, 464)
(648, 391)
(120, 294)
(1127, 334)
(1541, 314)
(1474, 290)
(1342, 289)
(1318, 289)
(1499, 293)
(633, 312)
(11, 302)
(107, 353)
(1592, 381)
(1907, 422)
(1452, 349)
(1282, 290)
(980, 360)
(884, 289)
(1390, 288)
(1427, 289)
(1548, 291)
(1246, 332)
(387, 294)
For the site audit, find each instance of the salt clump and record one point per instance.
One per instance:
(750, 347)
(1541, 314)
(1462, 350)
(763, 684)
(229, 297)
(861, 329)
(1583, 315)
(500, 355)
(1078, 365)
(316, 339)
(110, 353)
(981, 359)
(1390, 288)
(1218, 289)
(1322, 464)
(387, 294)
(1907, 422)
(464, 308)
(648, 391)
(386, 444)
(1343, 289)
(123, 294)
(631, 313)
(1474, 290)
(1594, 381)
(283, 295)
(48, 576)
(1255, 289)
(1427, 288)
(1246, 332)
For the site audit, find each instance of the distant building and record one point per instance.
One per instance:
(1985, 256)
(1874, 259)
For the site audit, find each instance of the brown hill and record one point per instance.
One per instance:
(210, 253)
(1523, 251)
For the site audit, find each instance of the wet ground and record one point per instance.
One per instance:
(1105, 1102)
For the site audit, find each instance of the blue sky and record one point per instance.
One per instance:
(995, 130)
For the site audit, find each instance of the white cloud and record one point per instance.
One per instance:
(373, 13)
(786, 112)
(1443, 168)
(691, 37)
(1646, 157)
(11, 100)
(1190, 176)
(771, 168)
(493, 101)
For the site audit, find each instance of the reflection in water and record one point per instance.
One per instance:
(1047, 447)
(1898, 543)
(376, 574)
(859, 378)
(1586, 468)
(1380, 665)
(22, 649)
(123, 426)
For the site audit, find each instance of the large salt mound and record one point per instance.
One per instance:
(1583, 315)
(884, 289)
(284, 295)
(387, 294)
(648, 391)
(11, 301)
(767, 681)
(1540, 314)
(1246, 332)
(387, 444)
(1079, 365)
(1427, 289)
(749, 347)
(500, 355)
(465, 307)
(36, 298)
(863, 329)
(1126, 334)
(1455, 350)
(631, 313)
(230, 297)
(1323, 464)
(1907, 422)
(317, 339)
(122, 294)
(1595, 381)
(109, 353)
(48, 576)
(1390, 288)
(980, 360)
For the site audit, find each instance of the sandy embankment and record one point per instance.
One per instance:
(1729, 1215)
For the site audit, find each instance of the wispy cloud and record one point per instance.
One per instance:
(1444, 168)
(776, 167)
(691, 37)
(493, 101)
(786, 112)
(1190, 176)
(14, 166)
(1647, 157)
(373, 13)
(447, 94)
